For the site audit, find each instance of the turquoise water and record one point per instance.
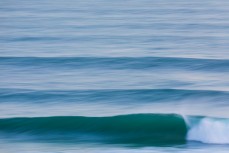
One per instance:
(114, 76)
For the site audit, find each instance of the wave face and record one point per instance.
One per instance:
(138, 129)
(134, 128)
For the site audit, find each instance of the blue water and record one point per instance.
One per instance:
(114, 76)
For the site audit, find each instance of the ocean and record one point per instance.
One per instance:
(99, 76)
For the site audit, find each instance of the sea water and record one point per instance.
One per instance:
(144, 76)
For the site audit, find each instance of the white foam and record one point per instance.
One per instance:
(210, 130)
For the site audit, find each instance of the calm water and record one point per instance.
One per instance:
(144, 76)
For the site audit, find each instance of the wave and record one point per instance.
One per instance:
(138, 129)
(139, 63)
(132, 129)
(115, 95)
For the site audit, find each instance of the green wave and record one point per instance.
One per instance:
(139, 129)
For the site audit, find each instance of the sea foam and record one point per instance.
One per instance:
(209, 130)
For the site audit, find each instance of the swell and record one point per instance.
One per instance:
(139, 63)
(116, 95)
(147, 129)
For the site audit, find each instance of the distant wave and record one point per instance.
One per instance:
(139, 129)
(109, 95)
(139, 63)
